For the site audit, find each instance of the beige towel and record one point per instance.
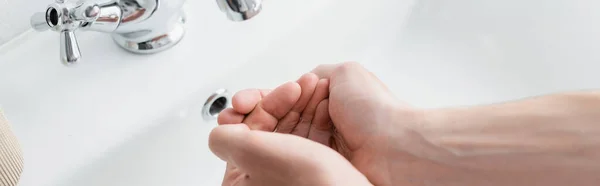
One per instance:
(11, 157)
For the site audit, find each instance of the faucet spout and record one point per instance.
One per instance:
(240, 10)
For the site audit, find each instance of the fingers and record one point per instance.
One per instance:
(325, 70)
(243, 148)
(227, 142)
(308, 83)
(320, 130)
(224, 140)
(320, 94)
(230, 116)
(244, 101)
(273, 107)
(280, 159)
(254, 151)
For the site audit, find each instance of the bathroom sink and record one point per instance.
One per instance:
(124, 119)
(68, 117)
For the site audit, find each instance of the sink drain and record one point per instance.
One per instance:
(215, 103)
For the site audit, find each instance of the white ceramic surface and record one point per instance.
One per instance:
(68, 117)
(123, 119)
(14, 16)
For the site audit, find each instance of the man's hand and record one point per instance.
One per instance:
(377, 132)
(258, 158)
(299, 108)
(347, 108)
(549, 140)
(261, 157)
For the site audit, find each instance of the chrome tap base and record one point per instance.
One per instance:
(149, 42)
(138, 26)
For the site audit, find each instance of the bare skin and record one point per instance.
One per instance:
(365, 146)
(260, 157)
(550, 140)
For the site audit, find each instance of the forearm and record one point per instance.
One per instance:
(559, 132)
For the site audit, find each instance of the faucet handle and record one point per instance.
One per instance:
(66, 17)
(240, 10)
(38, 22)
(69, 48)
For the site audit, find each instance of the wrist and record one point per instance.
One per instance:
(421, 130)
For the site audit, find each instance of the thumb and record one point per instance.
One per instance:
(255, 151)
(226, 140)
(282, 158)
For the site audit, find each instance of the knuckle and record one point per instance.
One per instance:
(348, 66)
(321, 66)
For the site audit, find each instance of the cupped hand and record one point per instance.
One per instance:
(375, 131)
(297, 110)
(259, 158)
(378, 133)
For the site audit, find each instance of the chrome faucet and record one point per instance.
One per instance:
(240, 10)
(138, 26)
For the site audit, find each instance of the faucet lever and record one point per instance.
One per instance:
(69, 48)
(38, 22)
(138, 26)
(66, 17)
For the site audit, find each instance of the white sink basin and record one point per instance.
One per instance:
(124, 119)
(67, 118)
